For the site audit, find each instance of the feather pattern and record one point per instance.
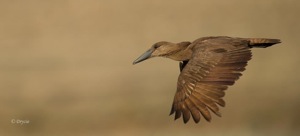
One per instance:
(201, 84)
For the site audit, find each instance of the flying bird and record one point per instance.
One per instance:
(207, 67)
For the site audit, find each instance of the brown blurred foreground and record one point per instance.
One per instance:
(65, 67)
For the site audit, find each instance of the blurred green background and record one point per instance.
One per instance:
(66, 66)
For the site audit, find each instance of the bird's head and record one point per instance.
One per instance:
(162, 49)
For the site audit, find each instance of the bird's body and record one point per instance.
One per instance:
(208, 66)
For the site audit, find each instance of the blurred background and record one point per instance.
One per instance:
(66, 67)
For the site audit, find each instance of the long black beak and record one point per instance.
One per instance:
(144, 56)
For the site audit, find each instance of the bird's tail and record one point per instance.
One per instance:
(262, 42)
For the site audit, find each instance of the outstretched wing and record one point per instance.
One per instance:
(213, 67)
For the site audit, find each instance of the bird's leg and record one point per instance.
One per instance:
(182, 64)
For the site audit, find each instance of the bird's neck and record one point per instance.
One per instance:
(183, 53)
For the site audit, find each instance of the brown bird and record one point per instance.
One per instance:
(207, 67)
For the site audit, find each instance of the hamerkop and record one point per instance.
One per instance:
(208, 66)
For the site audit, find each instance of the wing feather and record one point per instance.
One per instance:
(201, 84)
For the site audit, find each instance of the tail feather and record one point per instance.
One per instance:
(262, 42)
